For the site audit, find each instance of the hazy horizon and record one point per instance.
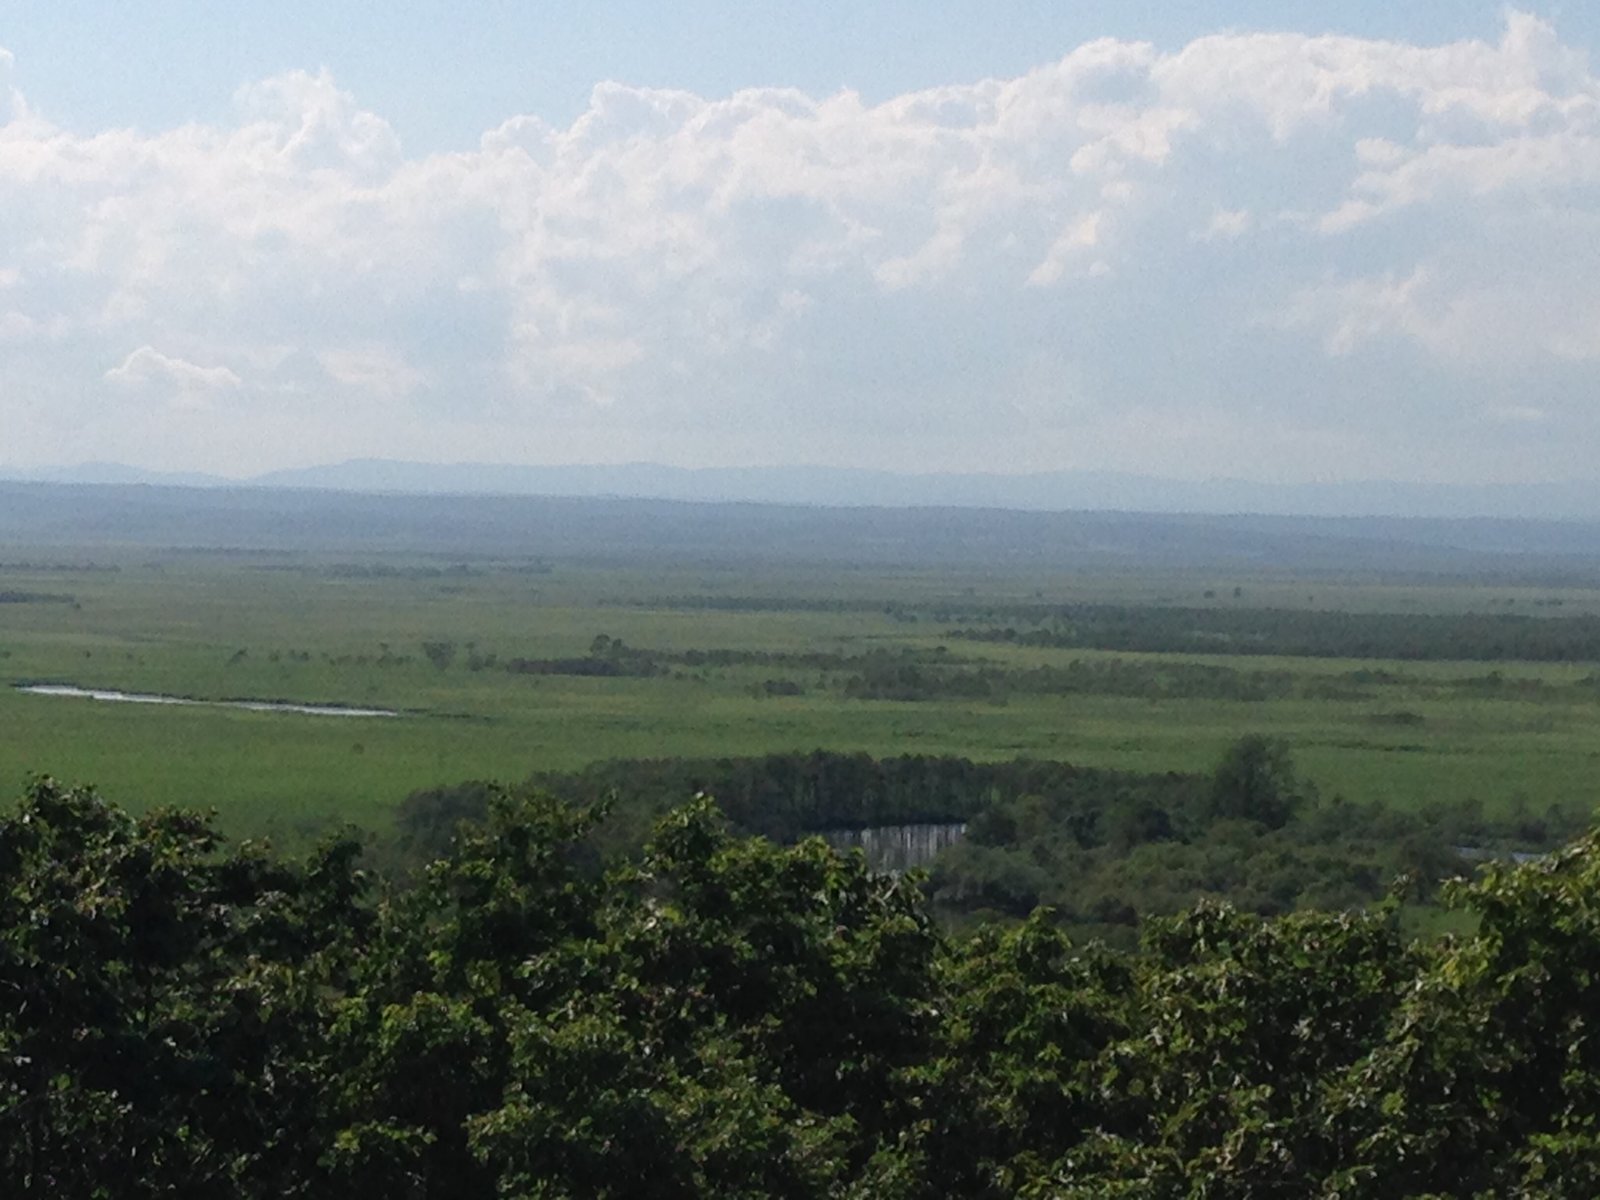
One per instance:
(1249, 243)
(862, 488)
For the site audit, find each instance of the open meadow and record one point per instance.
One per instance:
(502, 666)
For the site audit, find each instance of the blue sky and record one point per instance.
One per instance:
(444, 72)
(1276, 241)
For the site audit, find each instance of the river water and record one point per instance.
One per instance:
(115, 697)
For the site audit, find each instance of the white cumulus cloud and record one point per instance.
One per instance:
(185, 384)
(1289, 241)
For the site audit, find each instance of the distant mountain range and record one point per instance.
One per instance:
(457, 528)
(848, 487)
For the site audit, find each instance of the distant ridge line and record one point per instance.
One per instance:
(849, 487)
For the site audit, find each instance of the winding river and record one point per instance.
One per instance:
(115, 697)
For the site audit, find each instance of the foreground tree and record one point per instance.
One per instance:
(162, 1011)
(724, 1016)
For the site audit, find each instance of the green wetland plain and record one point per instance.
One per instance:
(288, 628)
(1389, 683)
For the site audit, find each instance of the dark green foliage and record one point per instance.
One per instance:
(607, 656)
(427, 819)
(1102, 848)
(728, 1017)
(786, 796)
(440, 654)
(162, 1028)
(780, 687)
(903, 678)
(909, 675)
(1255, 781)
(1306, 633)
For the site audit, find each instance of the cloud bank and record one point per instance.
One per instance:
(1264, 254)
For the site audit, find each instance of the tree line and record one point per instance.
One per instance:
(1102, 848)
(911, 674)
(1291, 632)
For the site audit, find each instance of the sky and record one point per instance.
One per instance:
(1275, 241)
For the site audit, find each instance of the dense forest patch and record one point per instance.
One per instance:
(1101, 848)
(1222, 627)
(1297, 633)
